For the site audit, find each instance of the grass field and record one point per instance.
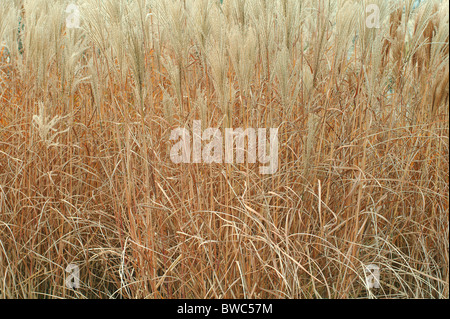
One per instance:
(86, 176)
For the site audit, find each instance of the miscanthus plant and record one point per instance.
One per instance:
(86, 177)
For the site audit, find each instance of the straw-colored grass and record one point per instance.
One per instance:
(86, 176)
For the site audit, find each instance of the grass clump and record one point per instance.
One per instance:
(86, 176)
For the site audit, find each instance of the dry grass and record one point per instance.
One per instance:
(86, 178)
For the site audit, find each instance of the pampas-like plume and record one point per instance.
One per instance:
(46, 126)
